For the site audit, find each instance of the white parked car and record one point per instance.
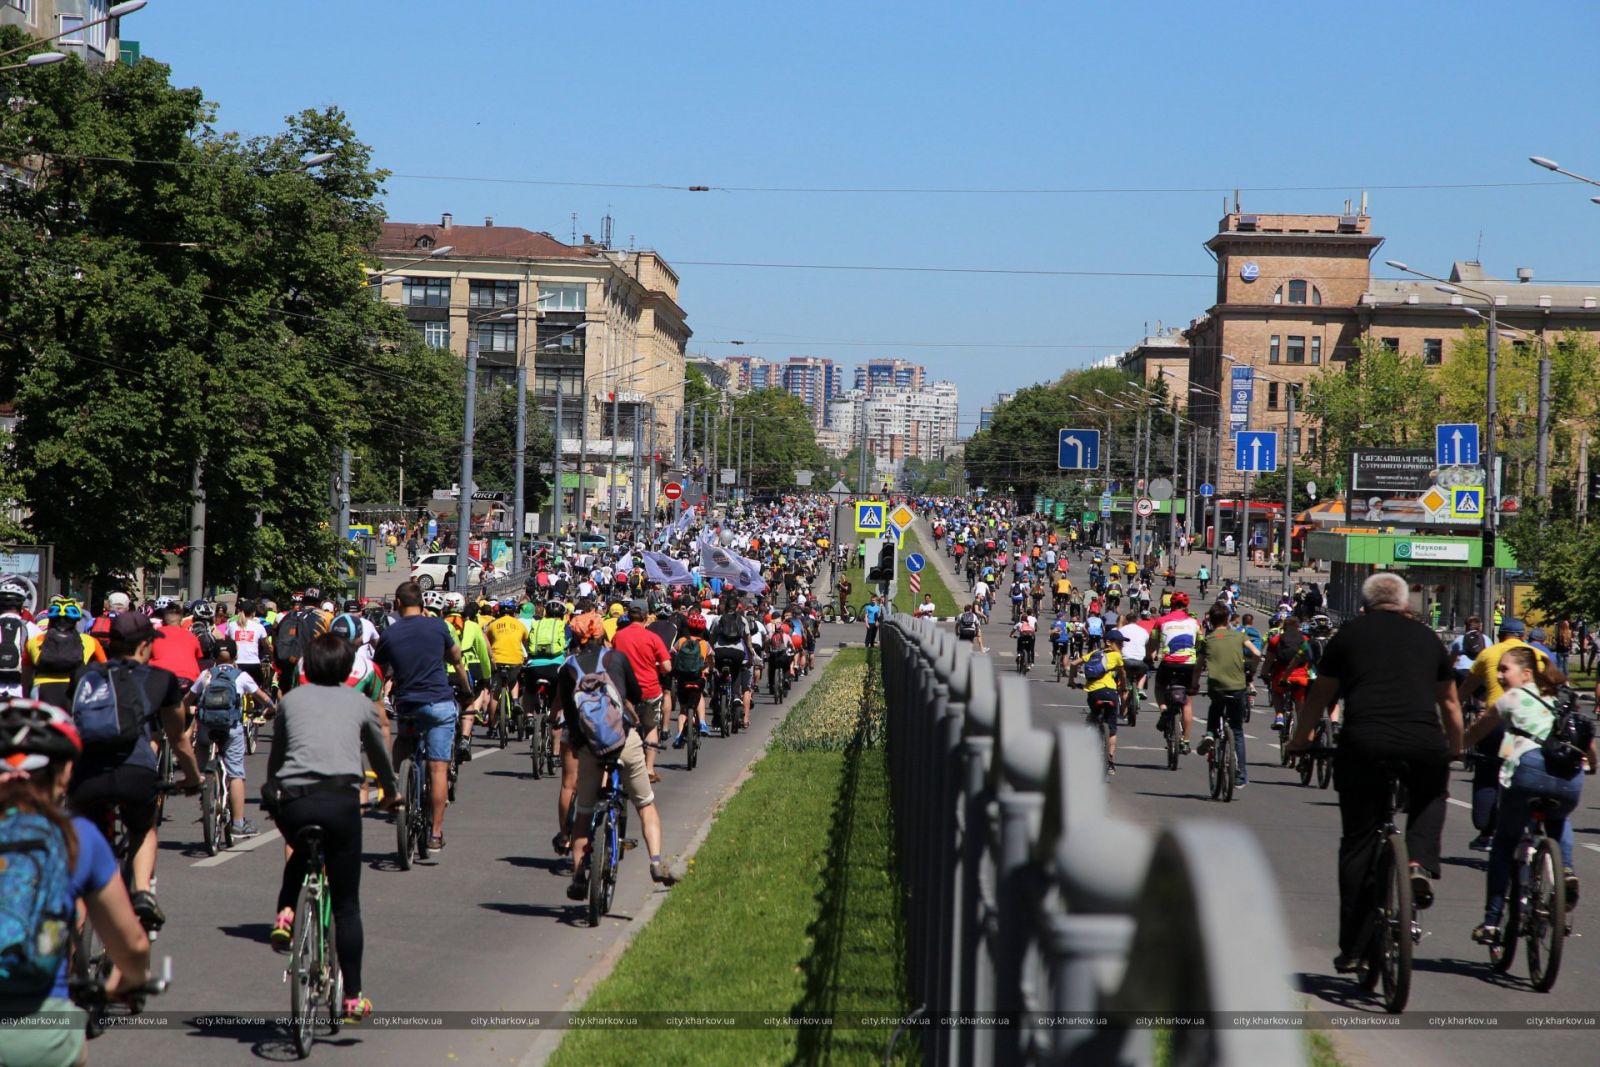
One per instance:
(429, 570)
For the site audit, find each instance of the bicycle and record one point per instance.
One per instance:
(540, 730)
(252, 724)
(166, 774)
(88, 991)
(1022, 658)
(608, 840)
(1536, 902)
(1391, 932)
(316, 984)
(1171, 722)
(722, 700)
(215, 818)
(1099, 714)
(1222, 762)
(1059, 655)
(1320, 758)
(413, 823)
(503, 719)
(1283, 704)
(779, 683)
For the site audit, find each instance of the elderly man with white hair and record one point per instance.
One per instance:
(1401, 716)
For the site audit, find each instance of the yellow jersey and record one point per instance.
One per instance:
(508, 639)
(1108, 680)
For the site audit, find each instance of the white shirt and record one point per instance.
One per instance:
(244, 684)
(925, 610)
(980, 590)
(1138, 640)
(247, 636)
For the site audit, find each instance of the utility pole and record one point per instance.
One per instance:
(583, 456)
(343, 527)
(611, 471)
(464, 500)
(1216, 489)
(1491, 501)
(518, 502)
(197, 530)
(1288, 493)
(1172, 501)
(555, 468)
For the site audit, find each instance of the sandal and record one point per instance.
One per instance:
(435, 842)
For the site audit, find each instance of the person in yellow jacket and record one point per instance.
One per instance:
(475, 659)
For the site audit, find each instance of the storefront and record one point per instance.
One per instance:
(1442, 570)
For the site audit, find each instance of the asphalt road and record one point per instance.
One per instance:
(484, 927)
(1299, 828)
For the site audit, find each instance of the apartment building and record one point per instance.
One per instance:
(49, 18)
(748, 373)
(815, 381)
(986, 413)
(877, 374)
(898, 424)
(598, 331)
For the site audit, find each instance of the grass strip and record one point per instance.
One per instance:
(790, 907)
(905, 601)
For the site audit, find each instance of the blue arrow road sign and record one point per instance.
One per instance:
(1078, 450)
(1455, 444)
(915, 562)
(1207, 489)
(1256, 451)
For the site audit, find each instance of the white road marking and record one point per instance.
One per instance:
(1595, 848)
(1458, 803)
(238, 850)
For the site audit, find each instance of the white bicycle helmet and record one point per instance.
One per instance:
(203, 610)
(455, 601)
(433, 600)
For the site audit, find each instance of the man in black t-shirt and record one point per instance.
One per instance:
(1392, 673)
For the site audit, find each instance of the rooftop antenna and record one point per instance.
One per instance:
(574, 229)
(1363, 203)
(1478, 256)
(1236, 201)
(605, 228)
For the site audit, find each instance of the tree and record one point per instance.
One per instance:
(495, 446)
(174, 297)
(784, 439)
(1379, 399)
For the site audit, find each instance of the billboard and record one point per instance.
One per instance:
(1406, 488)
(1241, 389)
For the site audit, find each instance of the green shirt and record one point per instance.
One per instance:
(1222, 656)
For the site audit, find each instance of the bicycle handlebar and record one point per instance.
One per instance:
(92, 995)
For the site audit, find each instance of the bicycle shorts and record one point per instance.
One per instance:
(476, 678)
(506, 674)
(435, 723)
(648, 713)
(128, 789)
(635, 777)
(1172, 680)
(1104, 704)
(688, 688)
(1135, 669)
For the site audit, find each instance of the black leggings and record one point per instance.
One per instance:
(339, 815)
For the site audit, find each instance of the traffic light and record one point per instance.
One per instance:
(1594, 486)
(883, 551)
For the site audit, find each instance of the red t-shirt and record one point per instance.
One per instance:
(645, 652)
(176, 650)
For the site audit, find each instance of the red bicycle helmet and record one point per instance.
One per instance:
(1180, 599)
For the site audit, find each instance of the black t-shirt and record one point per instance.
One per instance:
(1389, 668)
(666, 629)
(621, 672)
(161, 690)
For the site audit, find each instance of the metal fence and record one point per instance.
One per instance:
(1025, 897)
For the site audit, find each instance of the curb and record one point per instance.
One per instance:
(545, 1045)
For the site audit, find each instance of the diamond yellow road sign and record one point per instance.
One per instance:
(902, 516)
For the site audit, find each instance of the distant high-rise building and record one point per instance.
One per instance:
(878, 374)
(815, 381)
(986, 413)
(748, 373)
(899, 424)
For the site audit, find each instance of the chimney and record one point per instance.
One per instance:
(488, 220)
(588, 240)
(444, 223)
(1524, 275)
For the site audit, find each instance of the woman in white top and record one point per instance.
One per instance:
(1529, 716)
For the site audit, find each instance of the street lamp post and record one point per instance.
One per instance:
(38, 59)
(117, 11)
(1491, 503)
(1216, 477)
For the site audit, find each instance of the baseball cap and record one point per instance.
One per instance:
(1537, 634)
(117, 602)
(1116, 635)
(133, 628)
(1512, 627)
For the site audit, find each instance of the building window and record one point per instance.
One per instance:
(1272, 351)
(1316, 350)
(492, 376)
(1297, 349)
(1297, 440)
(1272, 396)
(491, 294)
(562, 297)
(425, 292)
(71, 29)
(1392, 344)
(1311, 440)
(1316, 295)
(1432, 351)
(561, 340)
(435, 334)
(1297, 292)
(568, 380)
(497, 337)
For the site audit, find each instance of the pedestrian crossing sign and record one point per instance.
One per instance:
(1466, 502)
(870, 517)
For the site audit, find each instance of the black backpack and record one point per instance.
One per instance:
(1472, 644)
(1567, 744)
(967, 625)
(207, 637)
(13, 643)
(294, 634)
(61, 652)
(730, 627)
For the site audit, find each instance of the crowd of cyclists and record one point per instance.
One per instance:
(103, 715)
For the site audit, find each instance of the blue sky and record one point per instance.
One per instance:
(946, 95)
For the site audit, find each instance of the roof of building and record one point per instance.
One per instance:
(1515, 294)
(489, 242)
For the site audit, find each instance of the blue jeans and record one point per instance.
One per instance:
(1530, 780)
(436, 722)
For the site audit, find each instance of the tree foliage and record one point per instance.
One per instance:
(1380, 399)
(173, 295)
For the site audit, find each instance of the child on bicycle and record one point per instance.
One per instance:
(1105, 682)
(206, 700)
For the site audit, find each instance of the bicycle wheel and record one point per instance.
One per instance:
(1546, 923)
(600, 860)
(165, 775)
(402, 818)
(522, 724)
(454, 773)
(537, 732)
(1306, 765)
(335, 974)
(1214, 768)
(214, 809)
(1503, 953)
(1174, 735)
(1060, 670)
(252, 734)
(726, 725)
(303, 963)
(1324, 770)
(1229, 762)
(1105, 741)
(1285, 732)
(1394, 943)
(503, 724)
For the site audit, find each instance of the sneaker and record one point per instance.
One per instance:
(1240, 783)
(1277, 722)
(1206, 744)
(466, 752)
(435, 842)
(151, 917)
(578, 888)
(1572, 888)
(1343, 964)
(1481, 843)
(1486, 934)
(243, 828)
(1183, 746)
(705, 731)
(681, 740)
(356, 1008)
(661, 874)
(1421, 888)
(283, 930)
(1111, 767)
(561, 845)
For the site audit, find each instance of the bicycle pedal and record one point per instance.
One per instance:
(629, 844)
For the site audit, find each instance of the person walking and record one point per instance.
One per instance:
(1392, 673)
(872, 613)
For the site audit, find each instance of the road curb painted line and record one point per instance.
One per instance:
(545, 1045)
(238, 850)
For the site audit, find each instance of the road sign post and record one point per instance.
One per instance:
(1078, 450)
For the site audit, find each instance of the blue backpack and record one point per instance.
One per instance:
(221, 707)
(600, 714)
(109, 706)
(35, 903)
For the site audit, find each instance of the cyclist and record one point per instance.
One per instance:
(468, 636)
(249, 635)
(1134, 649)
(622, 687)
(968, 629)
(114, 775)
(691, 662)
(1247, 626)
(1173, 636)
(1291, 660)
(228, 676)
(16, 669)
(1063, 592)
(1105, 681)
(58, 650)
(176, 647)
(733, 654)
(507, 636)
(650, 660)
(1525, 775)
(1024, 630)
(314, 776)
(38, 747)
(1204, 576)
(1060, 637)
(1391, 672)
(1222, 656)
(413, 654)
